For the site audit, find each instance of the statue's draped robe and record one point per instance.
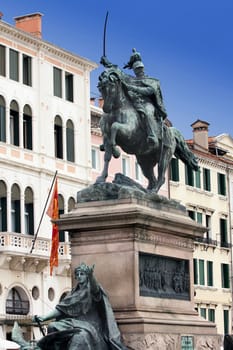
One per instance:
(156, 97)
(89, 318)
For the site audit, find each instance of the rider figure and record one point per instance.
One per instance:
(146, 96)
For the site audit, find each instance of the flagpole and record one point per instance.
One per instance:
(37, 231)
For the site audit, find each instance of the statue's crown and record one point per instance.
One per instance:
(84, 268)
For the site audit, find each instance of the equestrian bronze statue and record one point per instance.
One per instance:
(133, 119)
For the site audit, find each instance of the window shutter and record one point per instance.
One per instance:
(195, 270)
(201, 273)
(210, 273)
(2, 60)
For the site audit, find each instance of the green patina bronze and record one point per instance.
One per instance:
(83, 320)
(133, 119)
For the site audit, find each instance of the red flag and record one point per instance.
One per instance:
(53, 213)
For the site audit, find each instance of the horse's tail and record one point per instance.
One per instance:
(183, 152)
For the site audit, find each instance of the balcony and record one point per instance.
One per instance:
(15, 253)
(19, 307)
(207, 241)
(225, 245)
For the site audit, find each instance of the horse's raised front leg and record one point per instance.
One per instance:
(107, 157)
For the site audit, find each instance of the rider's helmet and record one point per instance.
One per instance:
(134, 58)
(138, 64)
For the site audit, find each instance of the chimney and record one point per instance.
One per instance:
(30, 23)
(200, 135)
(100, 102)
(92, 101)
(1, 15)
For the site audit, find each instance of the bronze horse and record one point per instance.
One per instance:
(122, 125)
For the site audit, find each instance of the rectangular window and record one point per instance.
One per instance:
(201, 273)
(2, 60)
(208, 225)
(223, 233)
(2, 122)
(138, 172)
(225, 276)
(211, 315)
(27, 70)
(203, 312)
(58, 141)
(27, 132)
(199, 218)
(57, 82)
(210, 273)
(206, 179)
(15, 216)
(189, 178)
(198, 179)
(14, 65)
(3, 214)
(14, 128)
(69, 78)
(29, 219)
(221, 184)
(61, 232)
(70, 153)
(195, 270)
(226, 321)
(125, 166)
(174, 169)
(95, 158)
(192, 214)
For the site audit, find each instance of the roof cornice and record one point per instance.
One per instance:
(39, 44)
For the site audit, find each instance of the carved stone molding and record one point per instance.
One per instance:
(208, 342)
(156, 341)
(151, 341)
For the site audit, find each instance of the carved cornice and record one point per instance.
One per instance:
(38, 44)
(215, 162)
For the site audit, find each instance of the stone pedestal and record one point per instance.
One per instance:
(143, 255)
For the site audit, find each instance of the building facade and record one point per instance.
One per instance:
(207, 195)
(44, 128)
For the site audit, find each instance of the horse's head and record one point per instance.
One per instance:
(109, 83)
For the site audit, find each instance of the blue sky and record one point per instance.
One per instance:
(187, 45)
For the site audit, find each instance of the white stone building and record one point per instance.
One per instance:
(207, 195)
(44, 128)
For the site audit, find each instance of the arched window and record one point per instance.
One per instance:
(14, 123)
(71, 204)
(70, 141)
(15, 209)
(63, 296)
(27, 127)
(61, 211)
(58, 141)
(3, 206)
(2, 119)
(29, 211)
(17, 302)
